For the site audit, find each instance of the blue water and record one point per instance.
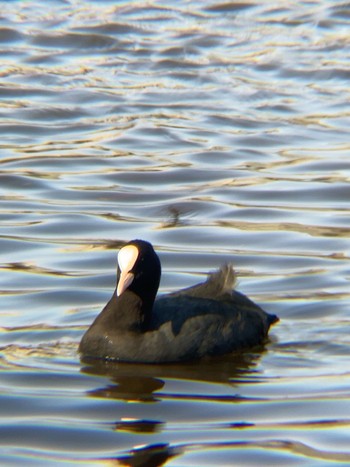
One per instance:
(219, 132)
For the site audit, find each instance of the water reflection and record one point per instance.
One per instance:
(150, 456)
(143, 382)
(148, 384)
(219, 132)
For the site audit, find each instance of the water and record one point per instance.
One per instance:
(219, 132)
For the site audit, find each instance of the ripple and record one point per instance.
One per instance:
(74, 40)
(218, 131)
(9, 35)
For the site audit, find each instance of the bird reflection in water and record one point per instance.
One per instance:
(144, 383)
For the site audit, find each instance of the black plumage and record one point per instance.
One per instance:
(210, 318)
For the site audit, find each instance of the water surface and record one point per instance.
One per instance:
(219, 132)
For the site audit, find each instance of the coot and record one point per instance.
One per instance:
(204, 320)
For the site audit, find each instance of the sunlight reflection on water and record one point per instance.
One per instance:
(218, 131)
